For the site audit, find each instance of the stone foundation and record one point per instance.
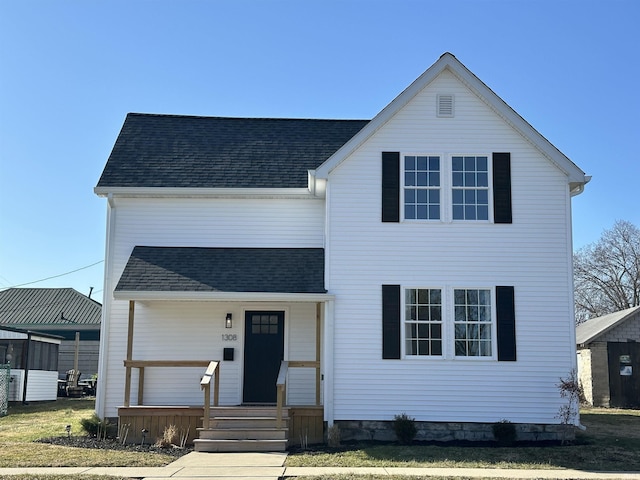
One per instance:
(382, 431)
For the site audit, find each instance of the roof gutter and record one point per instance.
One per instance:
(189, 192)
(221, 296)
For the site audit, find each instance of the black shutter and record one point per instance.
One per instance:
(502, 188)
(391, 321)
(390, 186)
(506, 324)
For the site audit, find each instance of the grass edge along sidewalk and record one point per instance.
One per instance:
(611, 443)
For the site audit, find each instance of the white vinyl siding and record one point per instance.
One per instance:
(532, 254)
(213, 222)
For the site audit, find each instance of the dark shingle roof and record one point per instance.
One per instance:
(193, 269)
(218, 152)
(47, 307)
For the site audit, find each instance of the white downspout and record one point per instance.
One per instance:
(329, 328)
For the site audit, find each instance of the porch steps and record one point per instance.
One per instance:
(243, 429)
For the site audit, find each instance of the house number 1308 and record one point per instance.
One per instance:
(229, 337)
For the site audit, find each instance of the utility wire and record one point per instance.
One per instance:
(56, 276)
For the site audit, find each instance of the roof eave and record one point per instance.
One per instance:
(221, 296)
(190, 192)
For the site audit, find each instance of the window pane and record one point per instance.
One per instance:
(409, 179)
(435, 295)
(423, 296)
(456, 164)
(483, 213)
(436, 347)
(411, 347)
(482, 197)
(470, 212)
(481, 164)
(423, 347)
(458, 212)
(411, 313)
(470, 197)
(409, 211)
(460, 331)
(422, 163)
(483, 180)
(434, 179)
(469, 163)
(461, 348)
(423, 313)
(436, 314)
(434, 163)
(423, 330)
(485, 349)
(421, 212)
(409, 163)
(422, 179)
(436, 330)
(470, 179)
(457, 179)
(458, 196)
(410, 295)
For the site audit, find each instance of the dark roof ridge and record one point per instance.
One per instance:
(225, 117)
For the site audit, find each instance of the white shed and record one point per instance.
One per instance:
(33, 357)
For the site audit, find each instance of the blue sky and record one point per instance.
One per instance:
(71, 70)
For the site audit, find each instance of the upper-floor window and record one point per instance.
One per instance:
(470, 187)
(421, 187)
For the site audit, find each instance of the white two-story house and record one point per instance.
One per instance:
(345, 271)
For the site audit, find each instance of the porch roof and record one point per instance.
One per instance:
(195, 272)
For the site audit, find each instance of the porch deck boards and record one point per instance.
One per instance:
(252, 427)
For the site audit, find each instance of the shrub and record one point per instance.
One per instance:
(168, 438)
(504, 432)
(405, 428)
(96, 427)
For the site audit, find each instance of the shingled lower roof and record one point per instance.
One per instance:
(193, 269)
(216, 152)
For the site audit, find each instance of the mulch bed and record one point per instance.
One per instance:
(114, 444)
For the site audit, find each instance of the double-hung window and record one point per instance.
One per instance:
(423, 321)
(421, 187)
(472, 322)
(470, 187)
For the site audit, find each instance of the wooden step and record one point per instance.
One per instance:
(208, 445)
(230, 423)
(247, 411)
(243, 433)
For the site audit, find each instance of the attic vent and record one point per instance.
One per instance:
(445, 105)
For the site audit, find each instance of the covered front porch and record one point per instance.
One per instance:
(230, 370)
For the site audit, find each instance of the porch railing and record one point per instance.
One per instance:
(205, 384)
(281, 384)
(142, 364)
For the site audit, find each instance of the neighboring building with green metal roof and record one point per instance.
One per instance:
(57, 311)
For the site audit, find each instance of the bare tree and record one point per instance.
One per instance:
(607, 273)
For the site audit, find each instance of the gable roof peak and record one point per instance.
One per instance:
(576, 177)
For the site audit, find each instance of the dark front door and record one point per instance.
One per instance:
(263, 352)
(624, 374)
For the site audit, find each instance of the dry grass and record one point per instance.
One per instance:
(27, 423)
(611, 442)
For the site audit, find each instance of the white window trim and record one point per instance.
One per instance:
(494, 336)
(448, 324)
(446, 187)
(441, 188)
(403, 323)
(489, 188)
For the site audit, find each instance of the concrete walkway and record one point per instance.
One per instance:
(270, 466)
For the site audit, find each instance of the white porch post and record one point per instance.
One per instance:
(328, 360)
